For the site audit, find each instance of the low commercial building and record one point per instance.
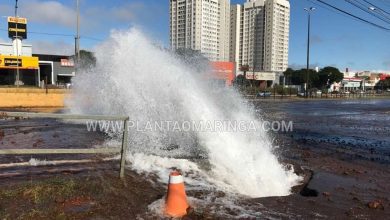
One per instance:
(351, 84)
(371, 81)
(23, 67)
(262, 79)
(368, 79)
(56, 69)
(34, 69)
(19, 66)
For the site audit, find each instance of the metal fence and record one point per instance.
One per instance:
(122, 150)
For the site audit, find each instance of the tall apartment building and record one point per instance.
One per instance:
(277, 31)
(201, 25)
(259, 31)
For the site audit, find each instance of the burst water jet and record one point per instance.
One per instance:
(136, 78)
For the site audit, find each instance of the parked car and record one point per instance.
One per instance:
(264, 94)
(302, 94)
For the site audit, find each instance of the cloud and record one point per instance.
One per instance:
(64, 15)
(48, 47)
(128, 12)
(48, 12)
(96, 16)
(54, 48)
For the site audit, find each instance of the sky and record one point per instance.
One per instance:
(337, 40)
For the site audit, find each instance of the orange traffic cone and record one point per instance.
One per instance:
(176, 201)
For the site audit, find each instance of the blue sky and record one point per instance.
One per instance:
(336, 39)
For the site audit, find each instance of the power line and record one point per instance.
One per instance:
(90, 38)
(58, 34)
(386, 2)
(367, 10)
(376, 7)
(378, 10)
(51, 34)
(329, 9)
(354, 16)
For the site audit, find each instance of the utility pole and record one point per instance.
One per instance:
(309, 10)
(17, 78)
(77, 39)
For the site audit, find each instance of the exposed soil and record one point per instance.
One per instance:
(77, 195)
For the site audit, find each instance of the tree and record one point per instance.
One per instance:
(298, 77)
(241, 80)
(324, 77)
(288, 74)
(334, 74)
(244, 68)
(313, 78)
(327, 76)
(193, 58)
(386, 83)
(87, 59)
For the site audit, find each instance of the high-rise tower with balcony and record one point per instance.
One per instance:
(201, 25)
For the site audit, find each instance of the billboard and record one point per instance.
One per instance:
(269, 76)
(224, 71)
(9, 62)
(12, 62)
(17, 27)
(67, 63)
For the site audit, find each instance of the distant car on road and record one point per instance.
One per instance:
(264, 94)
(302, 94)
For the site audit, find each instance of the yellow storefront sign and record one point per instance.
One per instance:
(22, 62)
(18, 20)
(18, 30)
(17, 27)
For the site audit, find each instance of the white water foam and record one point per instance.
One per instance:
(136, 78)
(37, 162)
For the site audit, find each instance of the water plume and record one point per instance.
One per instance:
(135, 77)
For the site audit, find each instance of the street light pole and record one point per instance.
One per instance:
(309, 10)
